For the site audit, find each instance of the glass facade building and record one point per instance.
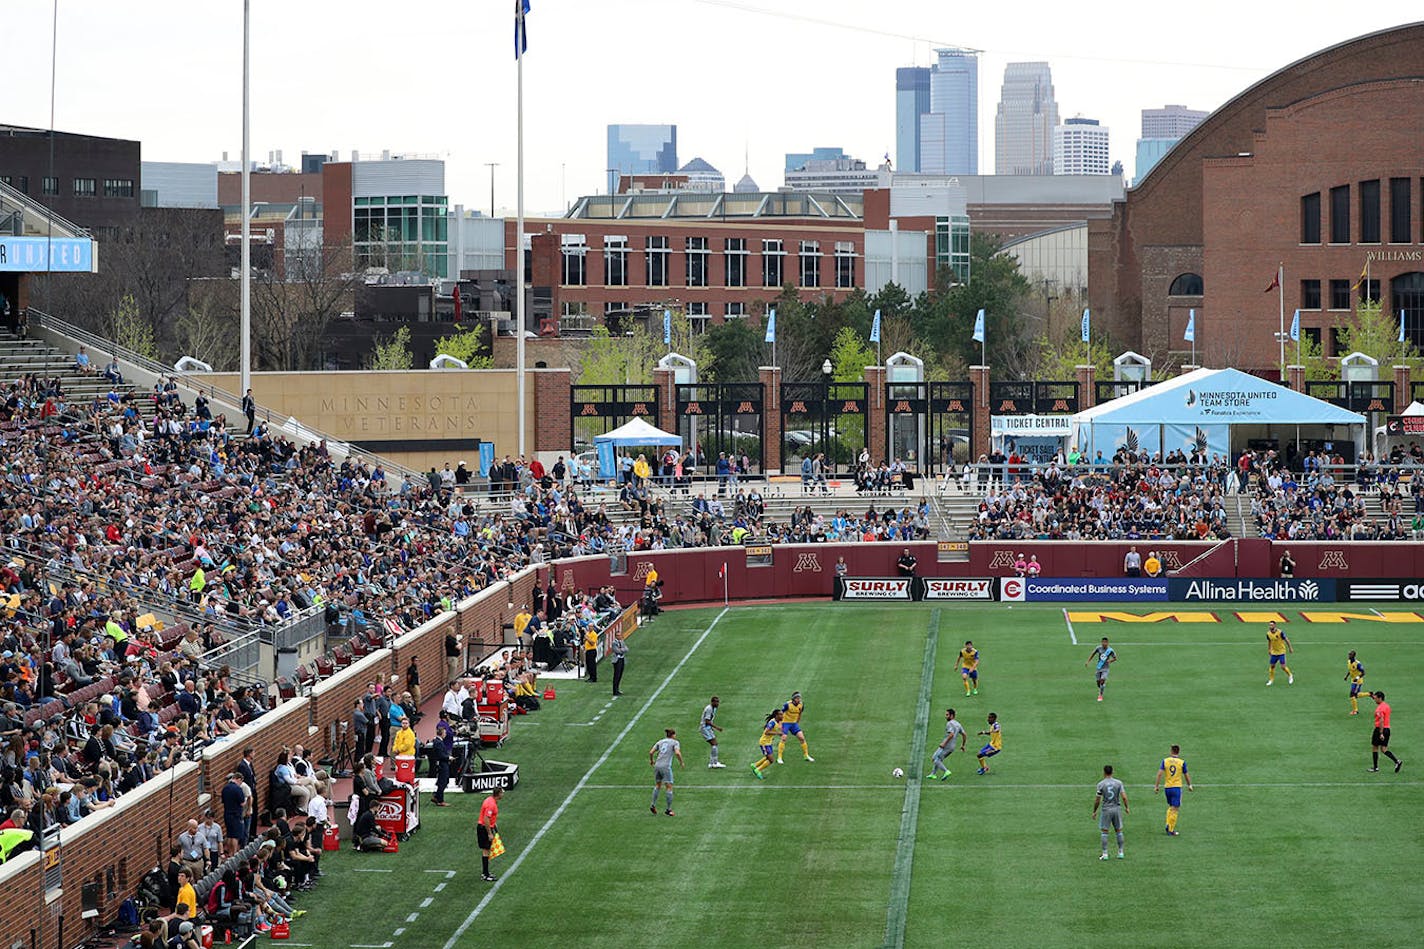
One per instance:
(912, 100)
(952, 245)
(949, 133)
(641, 150)
(406, 232)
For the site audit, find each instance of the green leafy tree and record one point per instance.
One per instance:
(1375, 332)
(850, 354)
(734, 352)
(1059, 359)
(466, 344)
(608, 359)
(944, 317)
(129, 329)
(393, 352)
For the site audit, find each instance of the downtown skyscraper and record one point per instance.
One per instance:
(1023, 126)
(937, 115)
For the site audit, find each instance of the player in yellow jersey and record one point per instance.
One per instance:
(1277, 645)
(791, 714)
(521, 621)
(1355, 672)
(969, 668)
(770, 732)
(995, 745)
(1170, 776)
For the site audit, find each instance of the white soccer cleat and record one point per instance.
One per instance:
(809, 758)
(1103, 855)
(717, 764)
(1290, 680)
(1270, 681)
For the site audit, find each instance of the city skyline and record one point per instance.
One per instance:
(117, 80)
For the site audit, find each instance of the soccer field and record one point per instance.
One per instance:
(1286, 839)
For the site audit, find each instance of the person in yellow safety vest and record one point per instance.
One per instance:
(112, 628)
(738, 534)
(196, 585)
(652, 578)
(15, 841)
(403, 744)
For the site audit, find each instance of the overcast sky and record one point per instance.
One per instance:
(738, 77)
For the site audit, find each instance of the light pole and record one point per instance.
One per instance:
(491, 165)
(826, 370)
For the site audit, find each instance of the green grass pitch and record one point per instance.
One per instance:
(1287, 839)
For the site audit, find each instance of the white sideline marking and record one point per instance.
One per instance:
(1071, 635)
(1376, 612)
(371, 870)
(993, 786)
(583, 781)
(439, 887)
(399, 930)
(1298, 642)
(425, 903)
(412, 917)
(372, 945)
(448, 873)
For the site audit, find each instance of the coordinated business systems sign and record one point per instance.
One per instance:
(1265, 591)
(42, 254)
(1089, 590)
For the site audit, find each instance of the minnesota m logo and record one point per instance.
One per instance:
(1002, 558)
(1333, 560)
(807, 563)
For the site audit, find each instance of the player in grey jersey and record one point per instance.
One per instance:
(1112, 797)
(660, 759)
(709, 729)
(946, 747)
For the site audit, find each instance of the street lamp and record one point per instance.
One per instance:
(826, 369)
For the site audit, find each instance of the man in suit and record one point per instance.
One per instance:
(248, 773)
(249, 408)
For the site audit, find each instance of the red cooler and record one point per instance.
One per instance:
(405, 769)
(379, 763)
(494, 692)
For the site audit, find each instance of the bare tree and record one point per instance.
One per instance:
(290, 317)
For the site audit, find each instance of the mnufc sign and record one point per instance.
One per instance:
(1232, 591)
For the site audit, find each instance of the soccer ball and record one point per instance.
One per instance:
(897, 773)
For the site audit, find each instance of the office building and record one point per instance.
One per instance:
(1170, 121)
(1080, 147)
(178, 184)
(1161, 129)
(701, 176)
(88, 180)
(795, 160)
(835, 175)
(912, 100)
(949, 132)
(1023, 126)
(641, 150)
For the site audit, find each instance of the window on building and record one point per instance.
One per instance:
(1310, 294)
(772, 255)
(845, 265)
(1311, 334)
(736, 311)
(657, 261)
(118, 188)
(574, 310)
(810, 264)
(698, 317)
(1399, 208)
(86, 187)
(22, 184)
(1370, 212)
(575, 256)
(615, 261)
(1186, 285)
(736, 255)
(1340, 215)
(1339, 294)
(1337, 342)
(614, 312)
(1310, 218)
(50, 185)
(697, 261)
(1369, 290)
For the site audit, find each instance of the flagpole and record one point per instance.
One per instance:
(519, 242)
(1281, 296)
(245, 288)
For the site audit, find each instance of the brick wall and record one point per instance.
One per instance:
(21, 896)
(553, 428)
(285, 725)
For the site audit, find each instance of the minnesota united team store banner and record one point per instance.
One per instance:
(1232, 590)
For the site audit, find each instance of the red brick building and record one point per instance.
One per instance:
(1317, 168)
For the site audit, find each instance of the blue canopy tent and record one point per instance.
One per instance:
(1204, 409)
(634, 434)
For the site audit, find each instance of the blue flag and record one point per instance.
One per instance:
(1087, 325)
(1401, 324)
(771, 326)
(667, 327)
(979, 327)
(1191, 334)
(1295, 327)
(521, 31)
(875, 328)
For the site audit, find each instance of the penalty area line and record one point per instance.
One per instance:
(1071, 635)
(583, 781)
